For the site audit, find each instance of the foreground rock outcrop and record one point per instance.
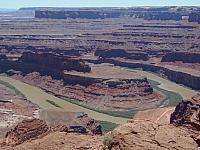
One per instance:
(187, 113)
(32, 129)
(27, 130)
(71, 122)
(181, 134)
(150, 136)
(61, 141)
(35, 134)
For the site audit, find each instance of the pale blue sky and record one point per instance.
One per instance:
(95, 3)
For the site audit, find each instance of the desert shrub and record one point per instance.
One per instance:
(107, 142)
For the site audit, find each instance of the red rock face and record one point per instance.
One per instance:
(187, 113)
(121, 53)
(56, 62)
(26, 130)
(183, 113)
(182, 56)
(32, 129)
(44, 63)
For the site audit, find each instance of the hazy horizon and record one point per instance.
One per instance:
(16, 4)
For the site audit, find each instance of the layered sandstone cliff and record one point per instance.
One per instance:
(52, 61)
(121, 53)
(62, 14)
(102, 13)
(44, 63)
(185, 57)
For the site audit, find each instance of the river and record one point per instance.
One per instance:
(168, 85)
(40, 97)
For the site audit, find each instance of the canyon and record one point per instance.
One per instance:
(105, 78)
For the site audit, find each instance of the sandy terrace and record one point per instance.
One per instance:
(158, 115)
(108, 71)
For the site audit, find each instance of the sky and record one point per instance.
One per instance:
(95, 3)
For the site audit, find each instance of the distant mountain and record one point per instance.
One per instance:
(5, 10)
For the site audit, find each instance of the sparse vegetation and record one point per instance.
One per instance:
(53, 103)
(107, 126)
(107, 142)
